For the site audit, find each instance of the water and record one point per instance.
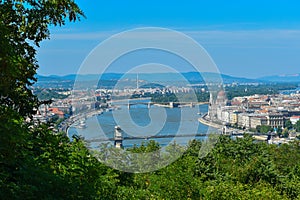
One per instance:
(139, 121)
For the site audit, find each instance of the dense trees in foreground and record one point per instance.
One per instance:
(40, 165)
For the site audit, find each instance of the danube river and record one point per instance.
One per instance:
(140, 121)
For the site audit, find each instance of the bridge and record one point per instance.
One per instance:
(146, 137)
(162, 104)
(155, 137)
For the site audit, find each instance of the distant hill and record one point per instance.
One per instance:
(282, 78)
(85, 77)
(196, 77)
(41, 78)
(192, 77)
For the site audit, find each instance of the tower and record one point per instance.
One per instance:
(212, 109)
(216, 102)
(221, 100)
(118, 137)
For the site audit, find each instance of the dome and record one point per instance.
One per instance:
(221, 94)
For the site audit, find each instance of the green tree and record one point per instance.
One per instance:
(297, 126)
(23, 25)
(288, 124)
(285, 132)
(264, 128)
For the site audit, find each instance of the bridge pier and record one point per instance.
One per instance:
(118, 137)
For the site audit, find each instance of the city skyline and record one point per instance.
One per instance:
(245, 39)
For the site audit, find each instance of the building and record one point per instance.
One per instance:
(57, 112)
(257, 121)
(244, 120)
(216, 102)
(234, 117)
(294, 119)
(275, 120)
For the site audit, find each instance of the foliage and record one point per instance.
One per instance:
(46, 94)
(22, 24)
(164, 98)
(23, 175)
(234, 169)
(264, 89)
(180, 97)
(297, 126)
(263, 128)
(41, 165)
(288, 124)
(285, 133)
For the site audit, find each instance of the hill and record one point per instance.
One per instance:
(158, 78)
(282, 78)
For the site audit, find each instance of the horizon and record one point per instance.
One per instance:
(131, 73)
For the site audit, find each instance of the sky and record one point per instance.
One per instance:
(244, 38)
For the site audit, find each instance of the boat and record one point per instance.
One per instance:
(82, 125)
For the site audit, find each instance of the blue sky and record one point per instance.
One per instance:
(244, 38)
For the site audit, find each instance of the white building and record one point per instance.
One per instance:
(295, 119)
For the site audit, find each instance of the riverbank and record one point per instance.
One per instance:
(66, 124)
(203, 120)
(228, 130)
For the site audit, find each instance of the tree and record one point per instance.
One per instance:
(285, 133)
(288, 124)
(264, 128)
(297, 126)
(23, 25)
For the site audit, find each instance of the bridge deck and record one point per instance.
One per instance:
(152, 103)
(154, 136)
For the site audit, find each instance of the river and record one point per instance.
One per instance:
(140, 121)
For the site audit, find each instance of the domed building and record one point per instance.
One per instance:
(221, 98)
(216, 102)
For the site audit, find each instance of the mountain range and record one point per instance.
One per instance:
(191, 77)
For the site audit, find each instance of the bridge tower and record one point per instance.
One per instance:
(118, 137)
